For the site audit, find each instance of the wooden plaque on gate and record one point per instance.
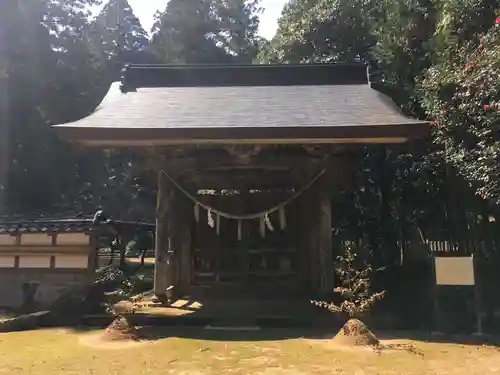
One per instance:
(454, 271)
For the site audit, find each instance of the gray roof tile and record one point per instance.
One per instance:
(44, 225)
(264, 106)
(236, 109)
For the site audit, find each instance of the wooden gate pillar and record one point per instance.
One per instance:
(183, 220)
(163, 241)
(324, 240)
(318, 236)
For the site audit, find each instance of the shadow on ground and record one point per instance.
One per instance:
(245, 319)
(234, 333)
(199, 333)
(441, 338)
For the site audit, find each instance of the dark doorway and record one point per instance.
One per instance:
(253, 262)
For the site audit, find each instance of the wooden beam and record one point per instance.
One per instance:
(180, 166)
(271, 166)
(184, 158)
(290, 174)
(326, 150)
(243, 153)
(247, 179)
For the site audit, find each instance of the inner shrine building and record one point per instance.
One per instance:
(247, 158)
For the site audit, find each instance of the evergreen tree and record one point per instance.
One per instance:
(321, 31)
(52, 78)
(121, 35)
(207, 31)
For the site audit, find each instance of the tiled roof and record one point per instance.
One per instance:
(172, 104)
(46, 225)
(42, 226)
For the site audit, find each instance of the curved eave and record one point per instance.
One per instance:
(395, 133)
(352, 113)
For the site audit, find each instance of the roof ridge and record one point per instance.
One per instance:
(225, 66)
(136, 76)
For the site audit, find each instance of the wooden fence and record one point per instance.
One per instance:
(411, 284)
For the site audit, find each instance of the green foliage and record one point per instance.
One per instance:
(462, 96)
(119, 290)
(207, 31)
(461, 22)
(403, 30)
(53, 73)
(404, 39)
(412, 35)
(121, 35)
(355, 289)
(60, 65)
(427, 57)
(114, 279)
(58, 74)
(321, 31)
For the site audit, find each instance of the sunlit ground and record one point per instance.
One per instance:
(197, 351)
(104, 261)
(138, 260)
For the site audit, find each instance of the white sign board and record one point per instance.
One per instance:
(454, 270)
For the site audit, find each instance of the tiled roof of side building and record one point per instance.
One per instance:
(19, 225)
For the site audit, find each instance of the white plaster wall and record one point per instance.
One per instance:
(36, 239)
(7, 239)
(7, 261)
(34, 261)
(73, 239)
(72, 261)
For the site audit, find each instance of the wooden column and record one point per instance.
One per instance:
(93, 256)
(317, 235)
(324, 239)
(320, 245)
(4, 118)
(304, 249)
(310, 232)
(162, 245)
(184, 220)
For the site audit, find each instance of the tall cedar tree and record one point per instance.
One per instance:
(122, 37)
(51, 78)
(110, 178)
(207, 31)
